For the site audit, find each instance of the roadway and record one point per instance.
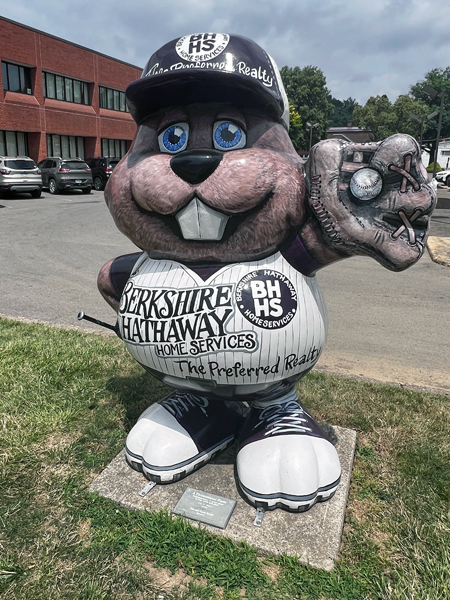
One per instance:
(391, 327)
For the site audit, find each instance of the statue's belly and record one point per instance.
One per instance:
(248, 324)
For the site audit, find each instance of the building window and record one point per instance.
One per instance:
(65, 146)
(112, 99)
(16, 78)
(13, 143)
(65, 88)
(114, 148)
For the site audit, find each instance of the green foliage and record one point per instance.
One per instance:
(439, 79)
(296, 128)
(384, 118)
(307, 92)
(430, 168)
(404, 106)
(343, 111)
(310, 98)
(377, 116)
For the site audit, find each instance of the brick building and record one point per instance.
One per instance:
(61, 99)
(351, 134)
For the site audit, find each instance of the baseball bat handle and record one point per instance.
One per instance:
(81, 315)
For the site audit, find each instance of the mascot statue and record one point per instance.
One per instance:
(222, 302)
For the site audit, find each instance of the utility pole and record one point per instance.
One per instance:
(311, 127)
(422, 121)
(433, 93)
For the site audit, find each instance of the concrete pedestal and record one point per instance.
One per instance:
(313, 536)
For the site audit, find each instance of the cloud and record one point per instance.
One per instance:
(364, 49)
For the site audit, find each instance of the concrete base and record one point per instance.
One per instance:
(313, 536)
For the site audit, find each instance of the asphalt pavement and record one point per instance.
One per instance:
(390, 327)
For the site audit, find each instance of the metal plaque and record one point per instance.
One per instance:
(204, 507)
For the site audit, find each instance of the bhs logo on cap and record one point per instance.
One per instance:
(201, 46)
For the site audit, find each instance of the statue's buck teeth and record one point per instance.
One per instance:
(200, 222)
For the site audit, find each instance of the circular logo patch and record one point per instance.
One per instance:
(266, 298)
(201, 46)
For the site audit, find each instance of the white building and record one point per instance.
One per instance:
(443, 157)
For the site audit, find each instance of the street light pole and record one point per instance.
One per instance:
(422, 121)
(311, 127)
(438, 136)
(433, 93)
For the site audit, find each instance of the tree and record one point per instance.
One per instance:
(404, 107)
(439, 79)
(343, 111)
(377, 115)
(307, 92)
(384, 118)
(296, 128)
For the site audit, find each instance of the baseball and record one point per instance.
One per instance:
(366, 184)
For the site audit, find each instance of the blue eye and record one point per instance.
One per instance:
(174, 139)
(228, 136)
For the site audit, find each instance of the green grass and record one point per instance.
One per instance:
(67, 400)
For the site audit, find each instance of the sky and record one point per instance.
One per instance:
(364, 47)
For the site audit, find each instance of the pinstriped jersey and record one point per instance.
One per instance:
(246, 324)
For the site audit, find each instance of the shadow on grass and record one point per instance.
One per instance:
(136, 393)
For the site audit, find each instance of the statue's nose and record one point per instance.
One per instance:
(194, 166)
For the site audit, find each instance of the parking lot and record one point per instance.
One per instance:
(52, 249)
(383, 325)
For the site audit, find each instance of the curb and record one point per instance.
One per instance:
(381, 379)
(439, 249)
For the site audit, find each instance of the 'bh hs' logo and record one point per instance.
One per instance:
(266, 298)
(201, 46)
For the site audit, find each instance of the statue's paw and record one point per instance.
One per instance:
(372, 199)
(285, 460)
(179, 434)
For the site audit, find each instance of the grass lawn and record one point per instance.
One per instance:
(67, 400)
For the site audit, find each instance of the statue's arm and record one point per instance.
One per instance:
(113, 276)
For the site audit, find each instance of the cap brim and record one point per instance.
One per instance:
(148, 95)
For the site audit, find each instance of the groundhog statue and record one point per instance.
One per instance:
(222, 302)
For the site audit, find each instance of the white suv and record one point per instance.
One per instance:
(19, 174)
(443, 177)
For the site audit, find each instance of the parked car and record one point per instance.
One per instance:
(101, 170)
(60, 174)
(19, 174)
(443, 177)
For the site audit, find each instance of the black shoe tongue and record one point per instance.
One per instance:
(208, 422)
(287, 418)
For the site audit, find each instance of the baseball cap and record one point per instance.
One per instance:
(206, 68)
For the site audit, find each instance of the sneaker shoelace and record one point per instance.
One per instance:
(181, 403)
(283, 418)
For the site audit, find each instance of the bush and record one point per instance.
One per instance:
(431, 167)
